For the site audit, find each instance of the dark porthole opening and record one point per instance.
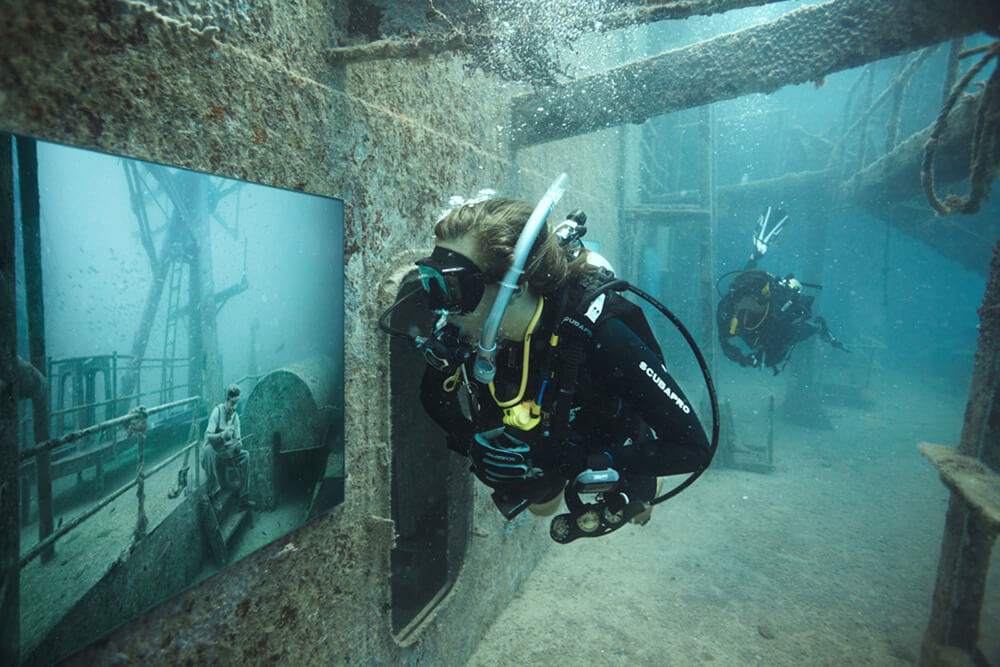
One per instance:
(431, 488)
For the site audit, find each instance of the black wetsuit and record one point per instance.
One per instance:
(769, 317)
(626, 408)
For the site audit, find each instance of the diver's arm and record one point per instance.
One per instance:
(443, 407)
(824, 333)
(723, 317)
(629, 368)
(734, 352)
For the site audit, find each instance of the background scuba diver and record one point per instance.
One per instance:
(580, 394)
(765, 315)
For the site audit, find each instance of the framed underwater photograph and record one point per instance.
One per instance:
(179, 348)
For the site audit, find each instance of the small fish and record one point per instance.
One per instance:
(820, 82)
(284, 552)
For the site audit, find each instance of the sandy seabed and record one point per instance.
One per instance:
(829, 560)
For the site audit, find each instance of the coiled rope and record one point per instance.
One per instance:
(985, 140)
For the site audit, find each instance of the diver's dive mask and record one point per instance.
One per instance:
(443, 348)
(452, 281)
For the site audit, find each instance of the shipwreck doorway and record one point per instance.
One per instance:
(431, 489)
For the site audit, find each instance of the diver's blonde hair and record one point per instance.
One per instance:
(498, 223)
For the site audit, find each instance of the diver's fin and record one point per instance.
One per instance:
(769, 225)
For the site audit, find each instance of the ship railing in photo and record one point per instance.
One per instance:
(135, 422)
(110, 402)
(80, 380)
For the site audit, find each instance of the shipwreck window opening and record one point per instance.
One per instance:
(431, 490)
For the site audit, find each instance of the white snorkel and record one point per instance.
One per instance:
(484, 368)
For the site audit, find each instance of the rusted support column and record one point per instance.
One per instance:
(202, 274)
(10, 534)
(970, 583)
(196, 375)
(806, 44)
(27, 162)
(137, 427)
(968, 537)
(984, 371)
(706, 133)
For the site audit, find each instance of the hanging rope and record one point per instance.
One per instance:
(985, 141)
(137, 426)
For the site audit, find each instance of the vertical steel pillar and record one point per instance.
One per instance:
(706, 136)
(204, 310)
(27, 162)
(10, 535)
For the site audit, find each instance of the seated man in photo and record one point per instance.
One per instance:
(223, 448)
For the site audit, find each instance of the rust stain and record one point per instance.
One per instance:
(243, 607)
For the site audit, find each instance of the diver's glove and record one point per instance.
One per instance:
(769, 225)
(500, 458)
(752, 360)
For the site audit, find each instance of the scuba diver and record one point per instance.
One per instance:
(544, 376)
(761, 317)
